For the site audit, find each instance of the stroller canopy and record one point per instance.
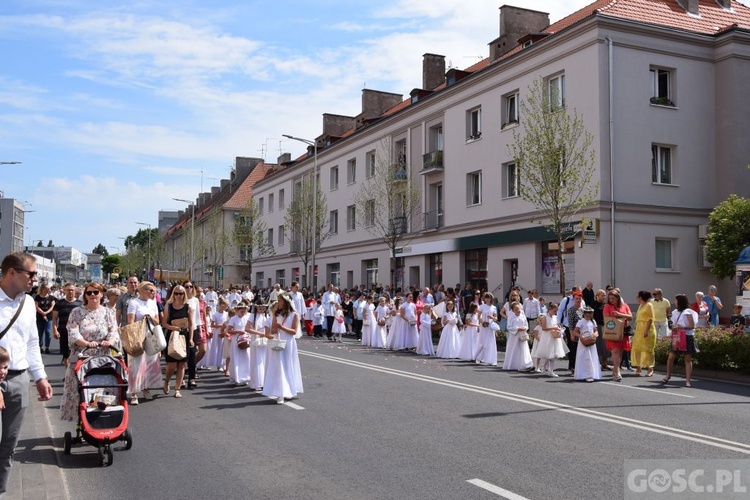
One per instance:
(102, 363)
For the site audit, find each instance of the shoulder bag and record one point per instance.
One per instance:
(132, 336)
(177, 347)
(155, 341)
(679, 338)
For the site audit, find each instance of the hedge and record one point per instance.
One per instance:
(719, 349)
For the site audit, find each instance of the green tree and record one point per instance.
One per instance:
(213, 241)
(100, 249)
(728, 234)
(250, 234)
(387, 199)
(110, 262)
(554, 161)
(302, 226)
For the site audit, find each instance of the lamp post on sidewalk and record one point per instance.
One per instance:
(314, 208)
(192, 233)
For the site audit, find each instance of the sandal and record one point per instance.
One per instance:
(166, 388)
(665, 380)
(687, 384)
(177, 394)
(650, 373)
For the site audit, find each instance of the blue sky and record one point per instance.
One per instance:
(115, 108)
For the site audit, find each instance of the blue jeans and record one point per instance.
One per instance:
(44, 327)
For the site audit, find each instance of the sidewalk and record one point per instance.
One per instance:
(36, 474)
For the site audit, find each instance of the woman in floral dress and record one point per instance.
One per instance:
(90, 326)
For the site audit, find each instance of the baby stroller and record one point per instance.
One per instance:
(103, 407)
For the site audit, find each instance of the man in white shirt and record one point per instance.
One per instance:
(298, 300)
(211, 298)
(247, 294)
(234, 297)
(22, 343)
(532, 310)
(274, 293)
(330, 297)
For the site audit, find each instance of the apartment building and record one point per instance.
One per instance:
(661, 85)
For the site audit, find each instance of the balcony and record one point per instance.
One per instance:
(398, 226)
(432, 162)
(433, 220)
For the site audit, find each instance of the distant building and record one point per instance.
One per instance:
(70, 262)
(11, 225)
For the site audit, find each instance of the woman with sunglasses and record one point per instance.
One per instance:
(195, 306)
(89, 326)
(145, 370)
(177, 314)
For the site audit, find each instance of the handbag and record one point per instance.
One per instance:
(154, 341)
(613, 329)
(177, 347)
(679, 340)
(243, 342)
(494, 326)
(277, 344)
(132, 336)
(588, 341)
(524, 336)
(381, 322)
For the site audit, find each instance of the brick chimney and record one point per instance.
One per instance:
(433, 71)
(515, 23)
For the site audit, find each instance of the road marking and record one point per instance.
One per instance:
(291, 405)
(650, 390)
(642, 425)
(497, 490)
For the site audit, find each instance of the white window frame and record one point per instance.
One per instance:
(671, 267)
(370, 160)
(270, 203)
(474, 124)
(511, 109)
(655, 74)
(351, 218)
(474, 179)
(659, 155)
(556, 91)
(511, 180)
(245, 253)
(333, 222)
(334, 178)
(351, 171)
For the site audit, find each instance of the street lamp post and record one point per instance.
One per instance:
(315, 205)
(192, 233)
(148, 261)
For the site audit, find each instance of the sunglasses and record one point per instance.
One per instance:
(92, 292)
(179, 293)
(32, 274)
(188, 286)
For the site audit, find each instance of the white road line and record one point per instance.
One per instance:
(293, 405)
(650, 390)
(497, 490)
(550, 405)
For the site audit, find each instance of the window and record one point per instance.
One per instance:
(556, 92)
(474, 188)
(260, 206)
(281, 277)
(370, 213)
(510, 109)
(511, 181)
(436, 138)
(281, 235)
(281, 199)
(664, 255)
(661, 164)
(474, 124)
(661, 86)
(333, 222)
(334, 178)
(269, 239)
(371, 273)
(245, 253)
(351, 171)
(351, 218)
(370, 164)
(270, 203)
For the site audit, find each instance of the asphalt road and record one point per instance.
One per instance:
(381, 425)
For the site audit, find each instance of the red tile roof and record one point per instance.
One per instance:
(244, 192)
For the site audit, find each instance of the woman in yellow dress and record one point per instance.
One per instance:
(644, 338)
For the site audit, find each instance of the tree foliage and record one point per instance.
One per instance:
(386, 201)
(213, 241)
(728, 234)
(100, 249)
(302, 225)
(555, 161)
(249, 233)
(110, 262)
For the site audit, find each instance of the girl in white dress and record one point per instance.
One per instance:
(339, 328)
(470, 339)
(215, 348)
(424, 343)
(551, 346)
(487, 352)
(588, 367)
(408, 312)
(367, 321)
(450, 337)
(380, 318)
(239, 371)
(517, 354)
(226, 342)
(283, 375)
(395, 340)
(256, 328)
(144, 370)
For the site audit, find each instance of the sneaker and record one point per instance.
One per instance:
(134, 400)
(589, 380)
(538, 370)
(553, 374)
(147, 395)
